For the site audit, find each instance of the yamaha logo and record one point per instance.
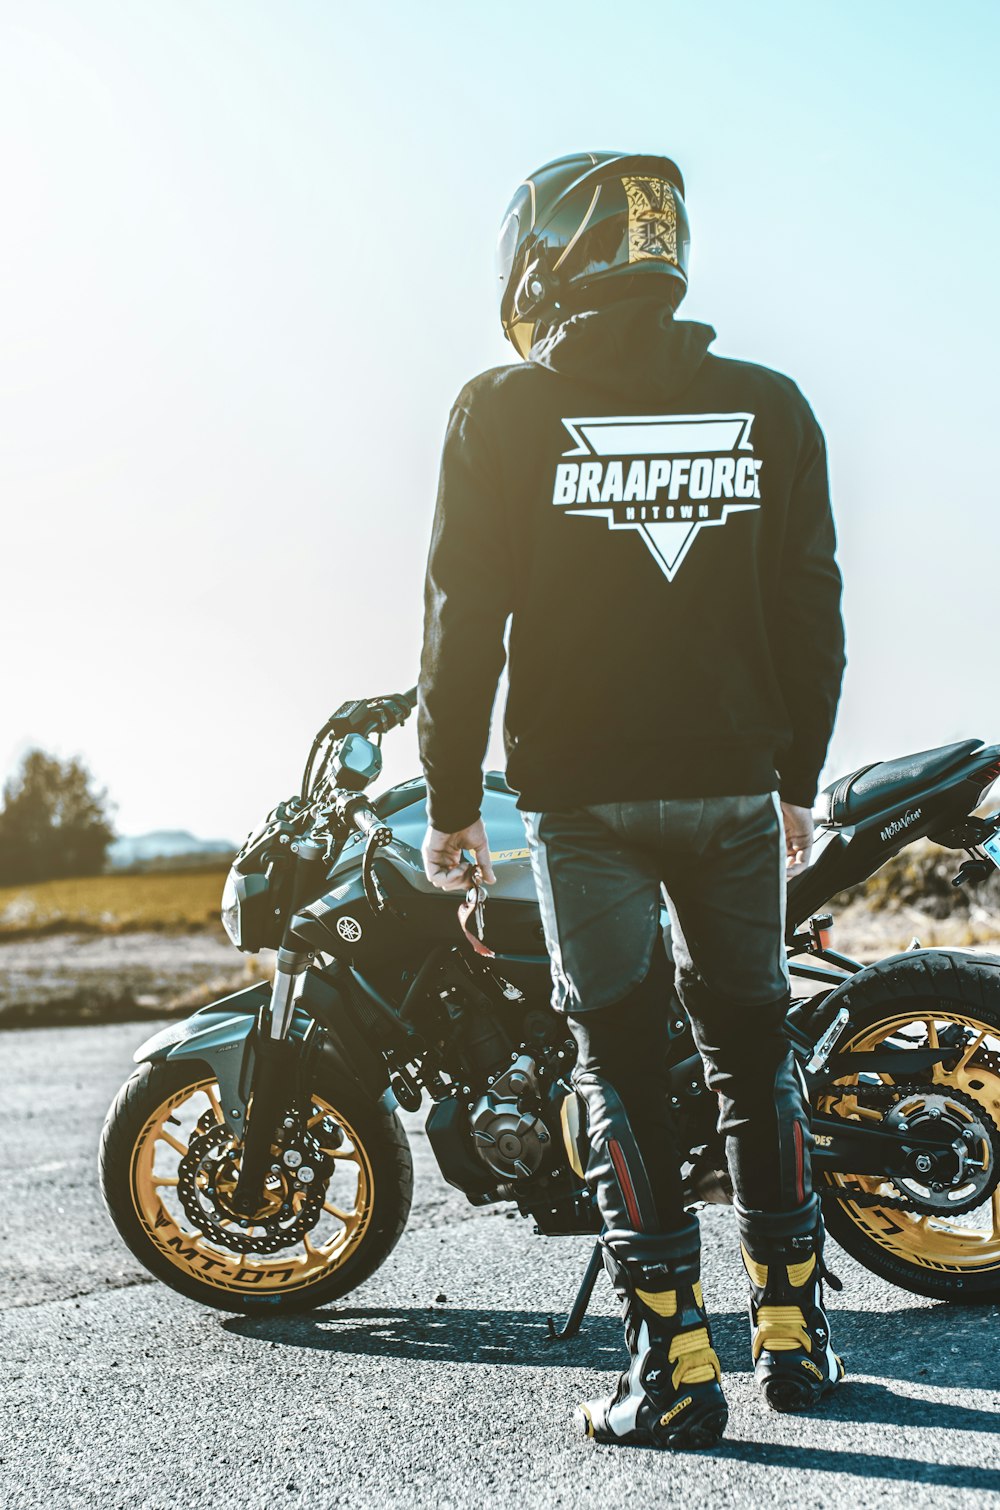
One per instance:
(349, 929)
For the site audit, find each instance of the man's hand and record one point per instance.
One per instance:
(443, 863)
(799, 831)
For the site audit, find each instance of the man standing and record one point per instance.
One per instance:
(655, 522)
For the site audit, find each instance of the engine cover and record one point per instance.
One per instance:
(508, 1134)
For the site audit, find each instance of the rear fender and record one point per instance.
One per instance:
(965, 977)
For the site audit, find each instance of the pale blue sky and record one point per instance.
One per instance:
(247, 263)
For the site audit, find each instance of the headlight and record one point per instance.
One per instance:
(231, 910)
(249, 914)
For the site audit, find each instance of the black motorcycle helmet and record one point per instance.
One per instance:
(583, 219)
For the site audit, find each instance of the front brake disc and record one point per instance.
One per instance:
(206, 1179)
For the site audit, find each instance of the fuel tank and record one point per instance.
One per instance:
(513, 920)
(341, 921)
(404, 808)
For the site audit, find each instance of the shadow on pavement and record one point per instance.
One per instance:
(911, 1345)
(916, 1345)
(440, 1332)
(864, 1464)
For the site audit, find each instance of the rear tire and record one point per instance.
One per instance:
(144, 1208)
(949, 1258)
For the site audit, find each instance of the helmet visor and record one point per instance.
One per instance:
(518, 224)
(507, 243)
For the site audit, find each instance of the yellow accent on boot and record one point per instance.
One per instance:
(675, 1410)
(799, 1273)
(695, 1359)
(756, 1271)
(663, 1302)
(780, 1329)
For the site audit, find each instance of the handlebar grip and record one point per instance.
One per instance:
(393, 711)
(366, 819)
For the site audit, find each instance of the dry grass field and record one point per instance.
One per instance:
(116, 948)
(911, 894)
(164, 901)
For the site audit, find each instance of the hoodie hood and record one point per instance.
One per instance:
(633, 346)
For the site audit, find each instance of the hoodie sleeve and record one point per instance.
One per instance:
(467, 600)
(808, 632)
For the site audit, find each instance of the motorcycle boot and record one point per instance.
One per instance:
(670, 1396)
(794, 1362)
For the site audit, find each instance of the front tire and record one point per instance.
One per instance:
(365, 1205)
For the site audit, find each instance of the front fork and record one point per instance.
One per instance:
(276, 1057)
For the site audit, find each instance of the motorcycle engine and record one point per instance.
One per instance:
(508, 1133)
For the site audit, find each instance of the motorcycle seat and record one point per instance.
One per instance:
(888, 783)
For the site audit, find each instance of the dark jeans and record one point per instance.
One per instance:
(720, 860)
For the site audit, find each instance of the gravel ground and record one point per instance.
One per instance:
(117, 1392)
(96, 977)
(66, 978)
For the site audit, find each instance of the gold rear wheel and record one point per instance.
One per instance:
(306, 1244)
(933, 1250)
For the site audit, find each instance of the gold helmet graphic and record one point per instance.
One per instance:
(584, 218)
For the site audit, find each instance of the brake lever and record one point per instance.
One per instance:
(391, 711)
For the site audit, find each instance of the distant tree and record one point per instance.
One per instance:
(53, 822)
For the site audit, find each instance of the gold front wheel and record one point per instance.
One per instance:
(334, 1203)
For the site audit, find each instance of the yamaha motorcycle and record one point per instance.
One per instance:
(255, 1160)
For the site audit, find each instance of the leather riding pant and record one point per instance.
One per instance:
(720, 863)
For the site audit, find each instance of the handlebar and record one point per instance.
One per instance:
(369, 715)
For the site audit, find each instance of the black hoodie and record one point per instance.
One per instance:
(657, 521)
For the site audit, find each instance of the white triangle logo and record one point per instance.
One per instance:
(665, 476)
(669, 542)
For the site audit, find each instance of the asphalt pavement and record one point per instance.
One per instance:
(433, 1384)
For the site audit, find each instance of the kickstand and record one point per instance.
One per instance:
(575, 1318)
